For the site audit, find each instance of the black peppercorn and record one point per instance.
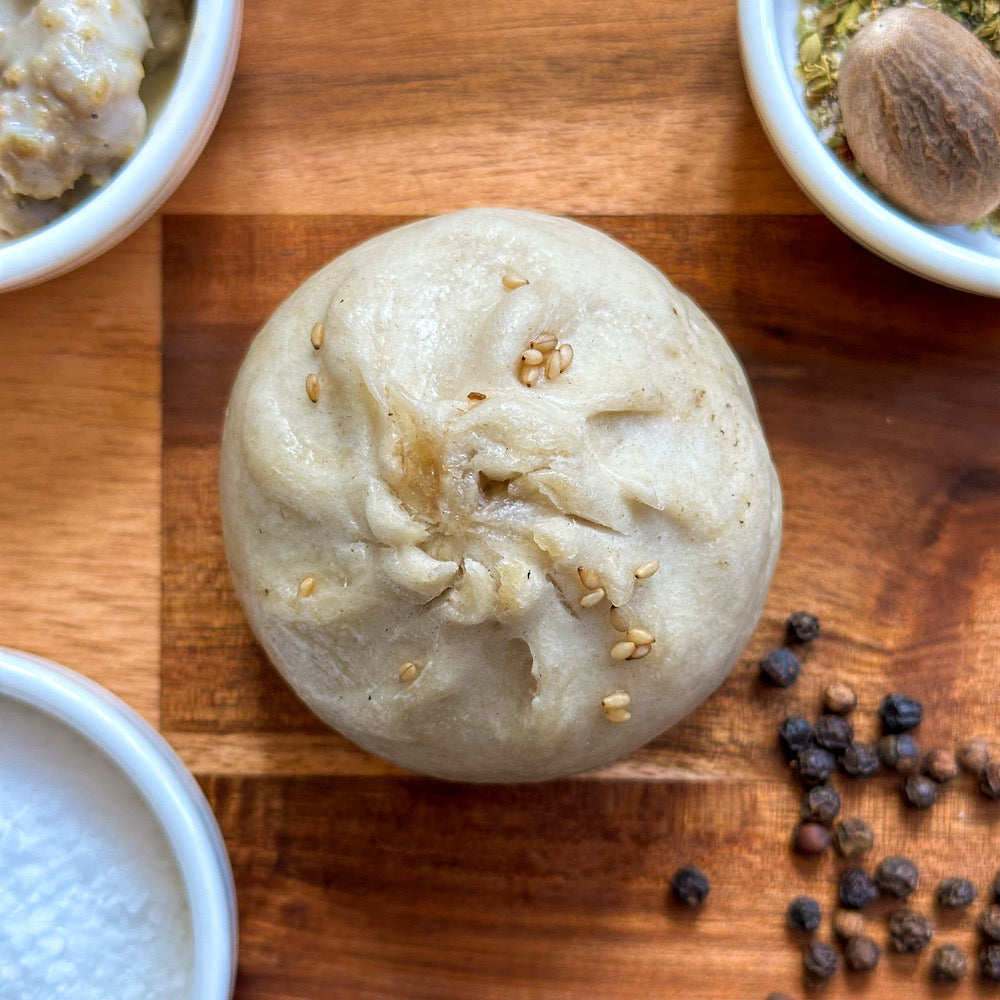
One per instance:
(974, 755)
(804, 914)
(821, 804)
(861, 953)
(900, 713)
(690, 885)
(920, 791)
(834, 733)
(941, 765)
(780, 667)
(949, 964)
(856, 889)
(989, 780)
(811, 838)
(955, 893)
(897, 876)
(899, 752)
(848, 924)
(814, 765)
(909, 932)
(840, 698)
(989, 922)
(795, 734)
(853, 838)
(820, 960)
(802, 626)
(859, 760)
(995, 888)
(989, 963)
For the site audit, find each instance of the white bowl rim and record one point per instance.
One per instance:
(166, 785)
(163, 159)
(848, 203)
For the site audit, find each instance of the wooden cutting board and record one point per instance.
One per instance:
(879, 392)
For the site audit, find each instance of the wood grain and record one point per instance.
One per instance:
(80, 488)
(362, 107)
(390, 888)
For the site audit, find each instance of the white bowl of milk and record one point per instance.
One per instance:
(114, 877)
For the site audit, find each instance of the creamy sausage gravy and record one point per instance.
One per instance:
(70, 108)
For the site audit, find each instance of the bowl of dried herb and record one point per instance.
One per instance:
(792, 52)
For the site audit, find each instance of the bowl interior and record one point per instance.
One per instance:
(75, 709)
(951, 255)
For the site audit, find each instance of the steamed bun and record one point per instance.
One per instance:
(436, 539)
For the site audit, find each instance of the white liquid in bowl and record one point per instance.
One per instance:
(92, 904)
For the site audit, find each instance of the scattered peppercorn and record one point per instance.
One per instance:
(780, 667)
(900, 713)
(860, 760)
(989, 963)
(815, 751)
(920, 791)
(853, 838)
(795, 734)
(989, 780)
(898, 876)
(804, 914)
(848, 924)
(941, 765)
(974, 755)
(989, 922)
(690, 885)
(821, 960)
(949, 964)
(814, 765)
(834, 733)
(802, 626)
(821, 804)
(861, 953)
(909, 932)
(811, 838)
(840, 698)
(856, 889)
(899, 752)
(955, 893)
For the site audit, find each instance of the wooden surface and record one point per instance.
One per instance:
(880, 394)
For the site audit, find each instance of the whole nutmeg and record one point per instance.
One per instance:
(920, 99)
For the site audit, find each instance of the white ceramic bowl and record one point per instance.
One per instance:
(180, 123)
(168, 789)
(951, 255)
